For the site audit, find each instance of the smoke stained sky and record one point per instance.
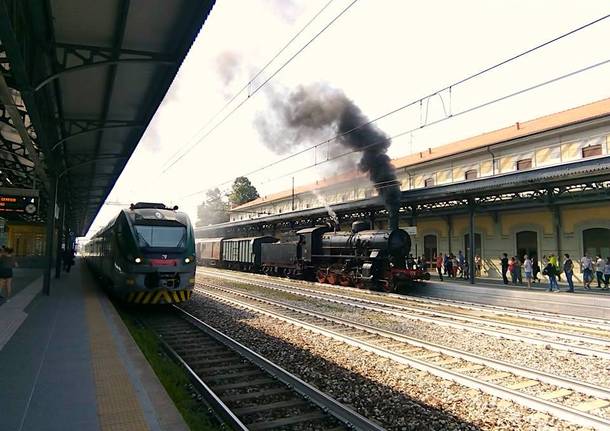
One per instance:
(381, 58)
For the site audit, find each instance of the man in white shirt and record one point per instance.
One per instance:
(599, 270)
(586, 267)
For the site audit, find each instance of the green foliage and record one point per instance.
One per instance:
(242, 191)
(213, 210)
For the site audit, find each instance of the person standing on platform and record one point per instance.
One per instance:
(68, 259)
(518, 270)
(607, 273)
(7, 262)
(511, 270)
(478, 265)
(536, 268)
(454, 265)
(568, 270)
(528, 267)
(439, 266)
(504, 265)
(461, 261)
(449, 266)
(551, 272)
(586, 267)
(553, 261)
(599, 270)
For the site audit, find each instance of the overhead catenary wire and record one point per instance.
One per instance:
(256, 75)
(440, 120)
(415, 102)
(257, 89)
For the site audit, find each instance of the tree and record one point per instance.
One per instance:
(213, 210)
(242, 191)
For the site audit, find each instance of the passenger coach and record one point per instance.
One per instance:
(145, 255)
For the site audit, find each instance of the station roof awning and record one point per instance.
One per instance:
(80, 83)
(583, 181)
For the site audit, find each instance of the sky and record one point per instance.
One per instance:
(383, 54)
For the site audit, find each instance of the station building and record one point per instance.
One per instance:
(536, 187)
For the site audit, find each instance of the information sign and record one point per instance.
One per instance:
(18, 201)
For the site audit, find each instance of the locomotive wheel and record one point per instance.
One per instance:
(321, 276)
(332, 278)
(345, 280)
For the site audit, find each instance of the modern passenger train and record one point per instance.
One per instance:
(145, 255)
(364, 258)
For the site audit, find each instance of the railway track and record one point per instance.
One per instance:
(584, 344)
(581, 403)
(245, 390)
(599, 326)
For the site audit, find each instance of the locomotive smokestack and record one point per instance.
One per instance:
(317, 108)
(393, 221)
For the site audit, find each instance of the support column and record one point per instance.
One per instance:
(46, 282)
(60, 238)
(471, 238)
(558, 229)
(449, 232)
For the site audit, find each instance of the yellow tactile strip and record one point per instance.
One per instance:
(117, 404)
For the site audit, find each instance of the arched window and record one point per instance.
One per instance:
(527, 243)
(477, 245)
(596, 241)
(430, 248)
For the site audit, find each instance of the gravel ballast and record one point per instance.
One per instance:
(397, 396)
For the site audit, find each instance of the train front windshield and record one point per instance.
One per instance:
(161, 236)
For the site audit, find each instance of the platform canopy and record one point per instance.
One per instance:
(80, 82)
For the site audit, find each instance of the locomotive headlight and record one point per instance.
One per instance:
(138, 260)
(187, 260)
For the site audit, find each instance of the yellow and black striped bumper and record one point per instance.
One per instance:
(159, 297)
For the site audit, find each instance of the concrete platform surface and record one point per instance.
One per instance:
(593, 303)
(67, 362)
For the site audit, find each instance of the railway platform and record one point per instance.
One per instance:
(593, 303)
(67, 362)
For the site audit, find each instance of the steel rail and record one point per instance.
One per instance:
(217, 405)
(457, 316)
(328, 404)
(387, 308)
(589, 322)
(563, 412)
(543, 316)
(586, 388)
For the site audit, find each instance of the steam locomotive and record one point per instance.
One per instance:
(364, 258)
(145, 255)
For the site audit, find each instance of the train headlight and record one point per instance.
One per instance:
(138, 260)
(187, 260)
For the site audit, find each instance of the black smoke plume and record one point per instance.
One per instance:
(316, 110)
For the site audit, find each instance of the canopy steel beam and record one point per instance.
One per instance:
(72, 58)
(119, 34)
(133, 125)
(15, 52)
(7, 100)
